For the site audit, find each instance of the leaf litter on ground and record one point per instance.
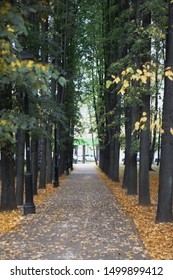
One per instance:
(10, 219)
(156, 237)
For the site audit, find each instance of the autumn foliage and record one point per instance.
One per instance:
(157, 238)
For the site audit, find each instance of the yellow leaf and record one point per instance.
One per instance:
(144, 79)
(169, 74)
(43, 68)
(122, 91)
(123, 73)
(116, 80)
(171, 130)
(168, 68)
(152, 126)
(13, 64)
(10, 29)
(137, 125)
(3, 122)
(133, 77)
(4, 52)
(170, 78)
(30, 64)
(139, 71)
(143, 119)
(126, 84)
(18, 63)
(128, 70)
(161, 131)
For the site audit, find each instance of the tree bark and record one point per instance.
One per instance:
(34, 163)
(49, 156)
(164, 208)
(132, 156)
(8, 198)
(20, 167)
(42, 179)
(144, 193)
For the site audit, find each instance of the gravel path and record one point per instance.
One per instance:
(81, 220)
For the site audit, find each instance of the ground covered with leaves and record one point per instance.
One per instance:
(9, 219)
(157, 238)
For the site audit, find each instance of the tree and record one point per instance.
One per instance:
(164, 209)
(144, 194)
(16, 74)
(9, 29)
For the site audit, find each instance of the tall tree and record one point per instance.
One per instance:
(164, 209)
(144, 194)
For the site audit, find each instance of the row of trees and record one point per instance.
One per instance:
(126, 66)
(114, 55)
(37, 97)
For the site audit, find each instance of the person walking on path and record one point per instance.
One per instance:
(82, 220)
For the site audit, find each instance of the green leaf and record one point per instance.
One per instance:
(108, 84)
(62, 81)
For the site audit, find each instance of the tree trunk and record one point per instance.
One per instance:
(42, 179)
(49, 156)
(127, 149)
(144, 193)
(132, 157)
(154, 134)
(20, 167)
(164, 209)
(8, 198)
(34, 163)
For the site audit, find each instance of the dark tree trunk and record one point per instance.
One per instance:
(8, 198)
(62, 162)
(164, 209)
(144, 193)
(132, 157)
(83, 150)
(42, 179)
(49, 156)
(34, 163)
(20, 167)
(158, 149)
